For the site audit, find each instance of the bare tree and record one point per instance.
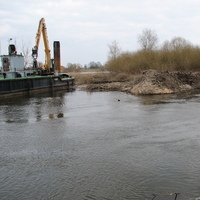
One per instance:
(114, 50)
(176, 43)
(26, 51)
(148, 39)
(94, 65)
(74, 67)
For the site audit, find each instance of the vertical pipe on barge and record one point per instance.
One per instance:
(56, 47)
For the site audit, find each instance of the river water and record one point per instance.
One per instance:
(107, 146)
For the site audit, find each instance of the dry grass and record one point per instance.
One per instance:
(187, 58)
(93, 78)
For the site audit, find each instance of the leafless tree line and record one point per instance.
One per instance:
(148, 41)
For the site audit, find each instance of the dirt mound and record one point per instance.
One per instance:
(153, 82)
(156, 82)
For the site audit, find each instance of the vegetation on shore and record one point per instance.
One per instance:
(171, 68)
(178, 54)
(148, 82)
(97, 78)
(187, 58)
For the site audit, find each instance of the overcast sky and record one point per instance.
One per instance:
(86, 27)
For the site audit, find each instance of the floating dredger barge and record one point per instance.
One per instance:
(24, 85)
(15, 78)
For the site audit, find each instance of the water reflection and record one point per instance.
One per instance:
(32, 107)
(168, 98)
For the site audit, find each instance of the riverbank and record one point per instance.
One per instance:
(147, 83)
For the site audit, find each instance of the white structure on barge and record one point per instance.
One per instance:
(12, 65)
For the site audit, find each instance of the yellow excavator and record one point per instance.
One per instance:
(47, 69)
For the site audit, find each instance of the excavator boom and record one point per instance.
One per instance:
(42, 30)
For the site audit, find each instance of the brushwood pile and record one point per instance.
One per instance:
(152, 82)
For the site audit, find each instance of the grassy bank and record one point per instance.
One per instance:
(185, 58)
(95, 78)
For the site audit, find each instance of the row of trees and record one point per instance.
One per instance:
(78, 67)
(175, 54)
(148, 41)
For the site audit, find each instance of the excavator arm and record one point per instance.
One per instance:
(42, 30)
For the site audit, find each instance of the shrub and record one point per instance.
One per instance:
(184, 58)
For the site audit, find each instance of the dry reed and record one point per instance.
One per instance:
(186, 58)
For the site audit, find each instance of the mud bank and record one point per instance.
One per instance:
(152, 82)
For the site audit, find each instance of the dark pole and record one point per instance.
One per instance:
(56, 46)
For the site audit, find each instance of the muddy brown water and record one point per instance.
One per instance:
(106, 146)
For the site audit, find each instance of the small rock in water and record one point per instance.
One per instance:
(51, 116)
(60, 115)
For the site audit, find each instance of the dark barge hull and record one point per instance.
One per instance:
(34, 84)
